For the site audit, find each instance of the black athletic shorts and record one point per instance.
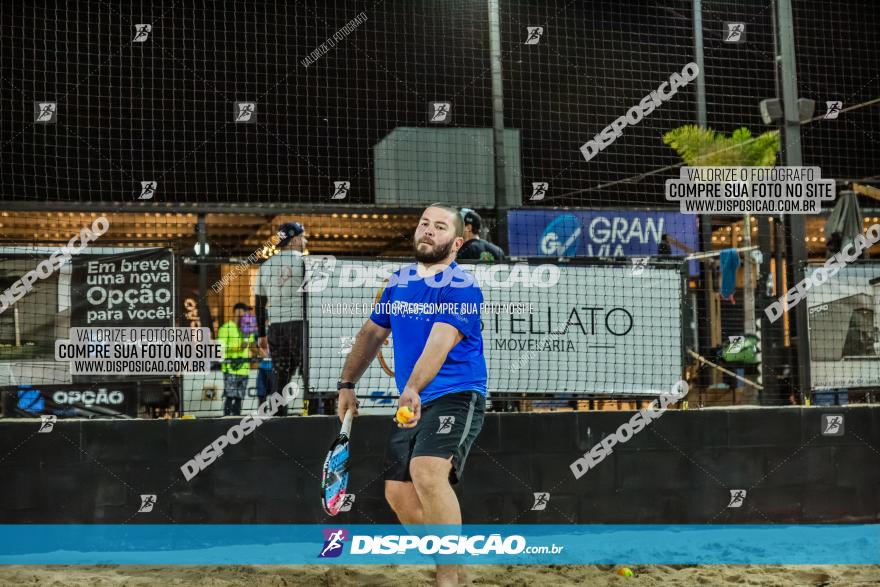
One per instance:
(448, 427)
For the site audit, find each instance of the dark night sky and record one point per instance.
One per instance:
(162, 110)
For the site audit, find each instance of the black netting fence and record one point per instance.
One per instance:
(200, 131)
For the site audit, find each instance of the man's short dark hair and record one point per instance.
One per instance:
(458, 223)
(241, 306)
(472, 219)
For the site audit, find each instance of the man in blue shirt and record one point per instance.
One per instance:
(433, 309)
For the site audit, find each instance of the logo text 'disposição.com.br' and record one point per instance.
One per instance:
(335, 540)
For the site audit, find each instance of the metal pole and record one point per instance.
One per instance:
(749, 326)
(501, 206)
(765, 286)
(204, 311)
(698, 59)
(15, 319)
(771, 236)
(714, 338)
(793, 156)
(779, 225)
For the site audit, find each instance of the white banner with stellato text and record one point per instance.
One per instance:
(598, 330)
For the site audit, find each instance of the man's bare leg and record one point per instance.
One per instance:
(430, 477)
(404, 500)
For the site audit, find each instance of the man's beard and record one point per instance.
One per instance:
(439, 253)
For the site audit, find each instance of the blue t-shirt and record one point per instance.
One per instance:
(410, 307)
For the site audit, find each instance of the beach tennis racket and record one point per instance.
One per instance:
(334, 480)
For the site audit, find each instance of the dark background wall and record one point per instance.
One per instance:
(678, 470)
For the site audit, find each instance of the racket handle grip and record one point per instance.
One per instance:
(346, 422)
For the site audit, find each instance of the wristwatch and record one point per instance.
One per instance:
(344, 385)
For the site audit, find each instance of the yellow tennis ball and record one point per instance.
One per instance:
(625, 572)
(404, 414)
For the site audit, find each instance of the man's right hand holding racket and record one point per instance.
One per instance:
(345, 402)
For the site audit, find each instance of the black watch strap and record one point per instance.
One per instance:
(344, 385)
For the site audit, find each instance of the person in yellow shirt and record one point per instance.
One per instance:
(236, 364)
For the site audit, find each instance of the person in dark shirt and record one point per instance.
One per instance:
(478, 250)
(475, 248)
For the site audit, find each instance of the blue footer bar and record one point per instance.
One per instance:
(855, 544)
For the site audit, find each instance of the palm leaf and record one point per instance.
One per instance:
(704, 147)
